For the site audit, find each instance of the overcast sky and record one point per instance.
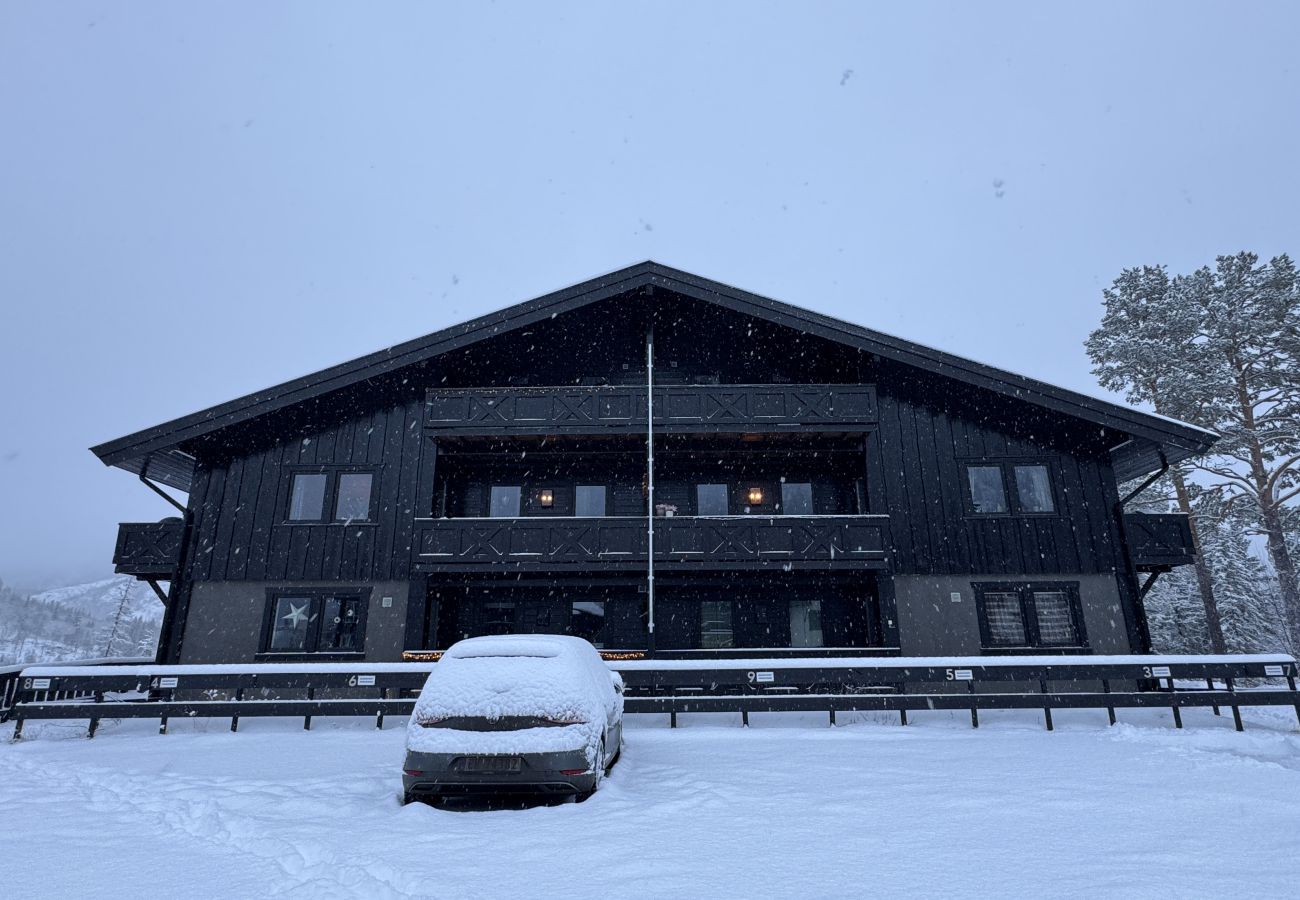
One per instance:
(199, 201)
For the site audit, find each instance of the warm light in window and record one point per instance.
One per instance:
(547, 498)
(755, 496)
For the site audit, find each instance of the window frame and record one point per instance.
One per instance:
(1029, 616)
(1010, 487)
(604, 499)
(318, 596)
(521, 501)
(329, 508)
(812, 498)
(726, 499)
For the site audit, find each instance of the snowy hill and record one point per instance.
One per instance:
(112, 617)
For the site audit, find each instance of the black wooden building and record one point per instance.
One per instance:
(816, 487)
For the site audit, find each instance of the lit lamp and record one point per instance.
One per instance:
(546, 497)
(755, 496)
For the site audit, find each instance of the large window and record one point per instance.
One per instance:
(315, 622)
(589, 500)
(587, 621)
(715, 625)
(339, 495)
(1011, 487)
(796, 498)
(1019, 616)
(503, 501)
(711, 500)
(806, 623)
(307, 497)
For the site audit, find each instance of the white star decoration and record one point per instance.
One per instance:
(296, 616)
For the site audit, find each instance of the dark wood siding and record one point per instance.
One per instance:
(925, 440)
(240, 500)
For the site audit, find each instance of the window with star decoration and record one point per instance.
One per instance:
(316, 622)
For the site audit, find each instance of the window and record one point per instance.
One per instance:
(715, 625)
(1031, 495)
(987, 493)
(1030, 616)
(587, 621)
(796, 499)
(307, 497)
(316, 622)
(503, 501)
(806, 623)
(1034, 489)
(310, 494)
(498, 617)
(589, 500)
(353, 496)
(710, 499)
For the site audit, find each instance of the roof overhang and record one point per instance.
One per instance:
(1141, 436)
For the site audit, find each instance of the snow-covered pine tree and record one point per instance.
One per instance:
(1247, 383)
(1145, 348)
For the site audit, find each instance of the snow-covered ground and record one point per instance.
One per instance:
(788, 807)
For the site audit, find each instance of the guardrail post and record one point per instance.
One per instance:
(1047, 709)
(1290, 680)
(832, 717)
(94, 720)
(744, 718)
(1173, 704)
(306, 720)
(1110, 710)
(379, 719)
(1236, 710)
(234, 720)
(18, 728)
(1209, 682)
(162, 720)
(974, 713)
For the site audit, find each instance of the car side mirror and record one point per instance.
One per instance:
(617, 680)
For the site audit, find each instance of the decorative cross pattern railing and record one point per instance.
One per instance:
(602, 409)
(149, 549)
(545, 543)
(675, 687)
(1159, 541)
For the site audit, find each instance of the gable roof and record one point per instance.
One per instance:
(159, 449)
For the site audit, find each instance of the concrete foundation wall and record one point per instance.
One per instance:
(931, 623)
(225, 619)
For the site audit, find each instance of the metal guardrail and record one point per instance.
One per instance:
(898, 685)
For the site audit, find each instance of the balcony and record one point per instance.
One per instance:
(613, 409)
(149, 550)
(549, 544)
(1158, 542)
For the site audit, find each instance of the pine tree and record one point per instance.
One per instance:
(1248, 384)
(1144, 347)
(1219, 348)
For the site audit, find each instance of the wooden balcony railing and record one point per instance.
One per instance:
(149, 549)
(1159, 541)
(607, 409)
(465, 545)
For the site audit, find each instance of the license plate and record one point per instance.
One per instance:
(491, 763)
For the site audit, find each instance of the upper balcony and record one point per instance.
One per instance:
(547, 544)
(605, 409)
(149, 550)
(1159, 541)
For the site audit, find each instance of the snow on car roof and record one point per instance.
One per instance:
(545, 646)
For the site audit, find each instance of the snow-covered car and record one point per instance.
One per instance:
(514, 714)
